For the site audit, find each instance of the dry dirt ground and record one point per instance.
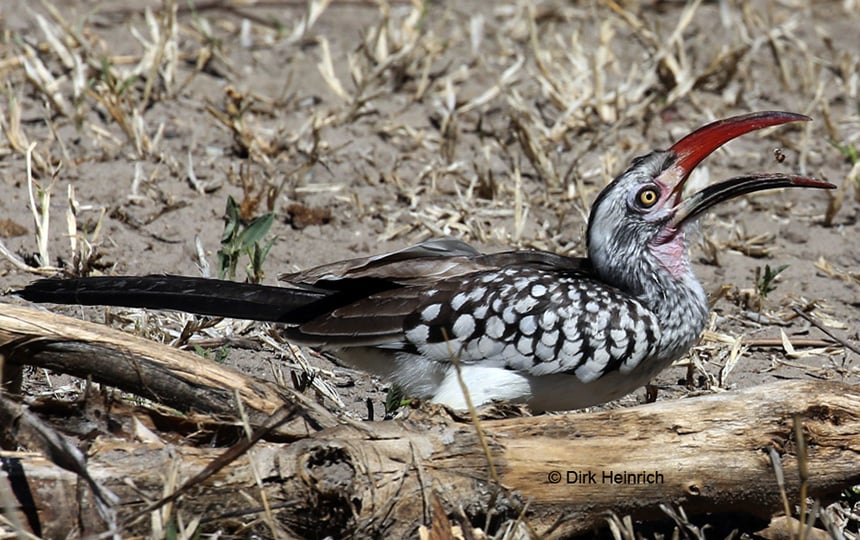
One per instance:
(369, 126)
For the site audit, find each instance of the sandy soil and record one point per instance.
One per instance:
(494, 122)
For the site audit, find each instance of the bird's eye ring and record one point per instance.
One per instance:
(647, 197)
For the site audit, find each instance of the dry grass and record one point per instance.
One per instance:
(496, 124)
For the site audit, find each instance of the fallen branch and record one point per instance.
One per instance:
(151, 370)
(708, 454)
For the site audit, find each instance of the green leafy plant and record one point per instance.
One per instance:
(764, 281)
(848, 152)
(218, 355)
(239, 238)
(395, 399)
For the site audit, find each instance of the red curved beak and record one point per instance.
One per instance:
(699, 144)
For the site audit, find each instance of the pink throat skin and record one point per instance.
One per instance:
(672, 255)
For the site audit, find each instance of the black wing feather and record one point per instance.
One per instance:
(181, 293)
(355, 302)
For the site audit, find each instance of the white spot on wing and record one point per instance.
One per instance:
(524, 346)
(548, 319)
(546, 368)
(419, 334)
(489, 347)
(601, 323)
(458, 301)
(626, 321)
(495, 327)
(528, 325)
(565, 311)
(549, 338)
(543, 352)
(619, 336)
(593, 367)
(641, 346)
(525, 304)
(509, 352)
(431, 312)
(464, 326)
(477, 294)
(571, 353)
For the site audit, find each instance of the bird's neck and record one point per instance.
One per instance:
(675, 295)
(665, 283)
(678, 300)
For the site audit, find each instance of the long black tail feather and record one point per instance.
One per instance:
(201, 296)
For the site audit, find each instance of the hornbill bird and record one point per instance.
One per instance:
(534, 327)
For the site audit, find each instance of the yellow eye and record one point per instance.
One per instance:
(647, 197)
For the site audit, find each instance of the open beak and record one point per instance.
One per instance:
(694, 206)
(692, 149)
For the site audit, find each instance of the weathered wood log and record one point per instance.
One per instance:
(169, 376)
(708, 454)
